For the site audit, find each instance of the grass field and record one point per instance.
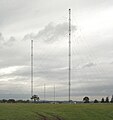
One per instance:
(56, 111)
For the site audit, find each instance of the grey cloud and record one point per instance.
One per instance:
(92, 4)
(1, 38)
(97, 90)
(51, 33)
(11, 11)
(5, 95)
(88, 65)
(24, 73)
(10, 41)
(6, 42)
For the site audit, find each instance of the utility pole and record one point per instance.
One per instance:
(31, 68)
(69, 54)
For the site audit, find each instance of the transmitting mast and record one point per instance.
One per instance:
(31, 68)
(69, 54)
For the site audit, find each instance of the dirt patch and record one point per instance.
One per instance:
(57, 117)
(52, 117)
(43, 117)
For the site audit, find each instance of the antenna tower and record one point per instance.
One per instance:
(69, 54)
(54, 94)
(44, 92)
(31, 68)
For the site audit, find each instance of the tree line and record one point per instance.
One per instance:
(35, 99)
(14, 101)
(103, 100)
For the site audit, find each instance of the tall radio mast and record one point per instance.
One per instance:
(31, 68)
(69, 54)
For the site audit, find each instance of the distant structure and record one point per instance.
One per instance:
(44, 92)
(54, 94)
(69, 54)
(31, 68)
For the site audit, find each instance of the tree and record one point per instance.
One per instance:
(107, 100)
(20, 101)
(4, 101)
(35, 98)
(102, 101)
(95, 101)
(86, 99)
(11, 101)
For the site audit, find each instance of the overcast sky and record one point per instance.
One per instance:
(46, 22)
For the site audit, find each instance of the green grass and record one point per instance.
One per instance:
(64, 111)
